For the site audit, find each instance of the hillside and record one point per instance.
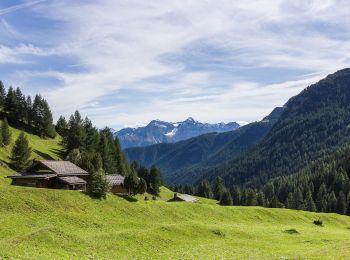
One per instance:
(61, 224)
(186, 161)
(315, 123)
(42, 148)
(157, 132)
(42, 224)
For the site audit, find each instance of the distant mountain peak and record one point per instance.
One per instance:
(158, 131)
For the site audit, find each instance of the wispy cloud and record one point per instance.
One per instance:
(122, 62)
(20, 6)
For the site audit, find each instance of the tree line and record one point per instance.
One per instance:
(95, 150)
(21, 112)
(322, 186)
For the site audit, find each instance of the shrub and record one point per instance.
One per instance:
(318, 222)
(291, 231)
(218, 233)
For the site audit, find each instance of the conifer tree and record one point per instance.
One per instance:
(321, 198)
(236, 195)
(2, 94)
(62, 126)
(331, 202)
(5, 133)
(261, 199)
(21, 153)
(341, 207)
(226, 199)
(99, 186)
(131, 183)
(29, 105)
(251, 198)
(218, 187)
(309, 202)
(155, 180)
(11, 104)
(204, 190)
(142, 186)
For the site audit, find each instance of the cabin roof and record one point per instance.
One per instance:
(72, 180)
(186, 197)
(32, 176)
(115, 179)
(61, 167)
(183, 197)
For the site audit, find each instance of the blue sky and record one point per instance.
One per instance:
(128, 62)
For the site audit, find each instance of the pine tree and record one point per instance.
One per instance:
(236, 195)
(321, 202)
(218, 187)
(5, 133)
(226, 199)
(142, 186)
(29, 111)
(11, 104)
(62, 126)
(98, 186)
(331, 202)
(204, 190)
(298, 199)
(42, 118)
(261, 199)
(251, 198)
(21, 107)
(2, 94)
(341, 207)
(131, 183)
(21, 153)
(309, 202)
(155, 180)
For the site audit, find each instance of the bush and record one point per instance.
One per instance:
(291, 231)
(154, 198)
(146, 198)
(318, 222)
(218, 233)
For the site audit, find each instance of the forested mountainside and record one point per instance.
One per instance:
(185, 161)
(164, 132)
(322, 186)
(315, 123)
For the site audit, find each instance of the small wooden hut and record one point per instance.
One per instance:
(52, 174)
(183, 198)
(117, 183)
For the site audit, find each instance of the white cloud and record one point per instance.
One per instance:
(123, 46)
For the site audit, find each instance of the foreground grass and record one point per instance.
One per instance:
(53, 224)
(59, 224)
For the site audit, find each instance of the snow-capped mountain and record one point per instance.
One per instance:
(164, 132)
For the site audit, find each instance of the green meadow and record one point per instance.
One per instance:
(60, 224)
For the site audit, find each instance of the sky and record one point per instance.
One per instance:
(126, 62)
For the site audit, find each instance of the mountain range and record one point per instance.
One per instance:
(158, 131)
(311, 125)
(183, 162)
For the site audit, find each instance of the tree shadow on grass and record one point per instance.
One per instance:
(43, 155)
(128, 198)
(58, 152)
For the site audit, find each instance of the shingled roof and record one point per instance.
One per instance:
(62, 167)
(115, 179)
(72, 180)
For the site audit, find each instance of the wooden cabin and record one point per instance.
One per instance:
(117, 183)
(183, 198)
(52, 174)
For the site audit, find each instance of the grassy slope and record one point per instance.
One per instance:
(42, 224)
